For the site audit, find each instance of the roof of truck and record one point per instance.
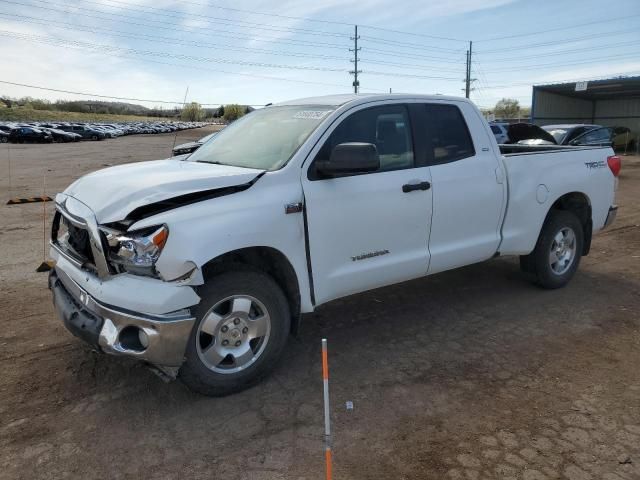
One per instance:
(337, 100)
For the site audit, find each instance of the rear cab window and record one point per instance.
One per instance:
(447, 133)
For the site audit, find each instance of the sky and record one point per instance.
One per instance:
(256, 52)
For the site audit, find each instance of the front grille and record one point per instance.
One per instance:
(78, 240)
(72, 240)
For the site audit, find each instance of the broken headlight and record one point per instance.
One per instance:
(137, 251)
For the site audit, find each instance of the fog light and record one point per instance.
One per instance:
(133, 338)
(144, 338)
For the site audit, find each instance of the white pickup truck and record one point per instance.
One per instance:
(202, 265)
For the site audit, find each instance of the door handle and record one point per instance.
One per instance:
(410, 187)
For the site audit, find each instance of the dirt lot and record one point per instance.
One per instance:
(470, 374)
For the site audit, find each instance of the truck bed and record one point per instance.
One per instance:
(537, 175)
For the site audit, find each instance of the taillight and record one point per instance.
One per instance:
(615, 164)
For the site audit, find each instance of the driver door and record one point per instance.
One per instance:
(366, 230)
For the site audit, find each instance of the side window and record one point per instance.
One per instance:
(448, 137)
(495, 129)
(575, 133)
(597, 136)
(386, 127)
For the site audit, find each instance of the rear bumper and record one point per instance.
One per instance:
(611, 216)
(157, 339)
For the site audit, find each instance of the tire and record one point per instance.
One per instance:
(224, 314)
(557, 254)
(94, 138)
(4, 140)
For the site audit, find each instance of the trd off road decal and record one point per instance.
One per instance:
(598, 164)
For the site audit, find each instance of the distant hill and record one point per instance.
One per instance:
(98, 107)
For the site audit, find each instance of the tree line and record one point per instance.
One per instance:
(193, 111)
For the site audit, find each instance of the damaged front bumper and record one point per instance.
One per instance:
(158, 339)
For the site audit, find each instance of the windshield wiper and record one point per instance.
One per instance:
(211, 162)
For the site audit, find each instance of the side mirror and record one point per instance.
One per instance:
(349, 158)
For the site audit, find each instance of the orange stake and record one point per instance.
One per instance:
(327, 419)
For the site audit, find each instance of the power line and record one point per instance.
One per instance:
(561, 64)
(111, 97)
(407, 75)
(395, 53)
(570, 80)
(166, 40)
(218, 71)
(171, 40)
(407, 44)
(565, 52)
(538, 32)
(218, 20)
(411, 65)
(556, 42)
(220, 33)
(424, 35)
(316, 20)
(153, 53)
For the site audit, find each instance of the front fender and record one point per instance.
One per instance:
(254, 217)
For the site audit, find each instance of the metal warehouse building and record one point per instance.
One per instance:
(612, 103)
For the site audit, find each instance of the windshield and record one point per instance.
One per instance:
(264, 139)
(557, 133)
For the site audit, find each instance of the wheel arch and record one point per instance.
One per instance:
(268, 260)
(579, 204)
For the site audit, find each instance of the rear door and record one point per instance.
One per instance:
(469, 191)
(368, 230)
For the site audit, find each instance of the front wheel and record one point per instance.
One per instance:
(242, 325)
(557, 255)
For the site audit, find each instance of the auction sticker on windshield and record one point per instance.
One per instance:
(311, 114)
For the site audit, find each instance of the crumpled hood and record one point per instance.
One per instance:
(114, 192)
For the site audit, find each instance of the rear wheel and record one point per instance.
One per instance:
(557, 255)
(94, 137)
(242, 325)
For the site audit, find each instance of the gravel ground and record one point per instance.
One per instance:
(469, 374)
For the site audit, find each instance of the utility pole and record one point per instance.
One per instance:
(355, 71)
(468, 78)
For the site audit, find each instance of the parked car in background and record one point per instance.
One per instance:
(499, 131)
(85, 132)
(95, 131)
(191, 147)
(29, 134)
(62, 136)
(107, 133)
(565, 133)
(600, 136)
(575, 135)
